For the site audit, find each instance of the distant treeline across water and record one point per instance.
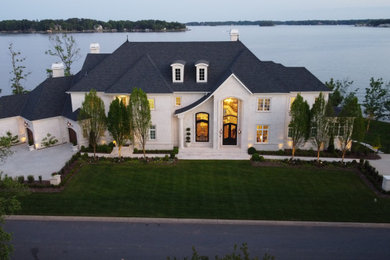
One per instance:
(361, 22)
(87, 25)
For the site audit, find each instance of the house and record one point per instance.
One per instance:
(215, 95)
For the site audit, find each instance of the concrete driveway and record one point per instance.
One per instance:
(38, 162)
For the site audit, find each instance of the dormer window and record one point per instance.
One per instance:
(201, 71)
(178, 71)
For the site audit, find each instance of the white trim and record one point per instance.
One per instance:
(264, 98)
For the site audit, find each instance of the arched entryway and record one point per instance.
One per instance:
(30, 137)
(230, 121)
(72, 136)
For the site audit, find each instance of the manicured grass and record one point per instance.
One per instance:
(383, 130)
(213, 189)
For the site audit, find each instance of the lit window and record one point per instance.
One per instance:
(178, 101)
(177, 75)
(124, 99)
(202, 127)
(263, 104)
(152, 132)
(262, 134)
(292, 99)
(151, 103)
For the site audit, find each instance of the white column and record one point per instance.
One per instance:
(215, 125)
(181, 129)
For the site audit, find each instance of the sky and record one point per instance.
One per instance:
(199, 10)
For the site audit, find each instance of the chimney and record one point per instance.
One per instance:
(57, 69)
(234, 35)
(94, 47)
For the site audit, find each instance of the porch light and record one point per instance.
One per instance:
(25, 124)
(69, 124)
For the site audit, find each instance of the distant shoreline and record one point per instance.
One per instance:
(91, 31)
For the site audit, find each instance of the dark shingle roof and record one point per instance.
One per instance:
(11, 106)
(48, 99)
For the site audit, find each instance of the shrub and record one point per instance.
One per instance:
(251, 150)
(166, 157)
(30, 179)
(21, 179)
(49, 140)
(257, 158)
(176, 150)
(172, 155)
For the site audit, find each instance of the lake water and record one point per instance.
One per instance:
(341, 52)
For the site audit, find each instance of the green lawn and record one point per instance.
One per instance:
(213, 189)
(383, 130)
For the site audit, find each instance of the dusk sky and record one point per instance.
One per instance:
(199, 10)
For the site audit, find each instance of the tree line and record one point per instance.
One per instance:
(82, 25)
(366, 22)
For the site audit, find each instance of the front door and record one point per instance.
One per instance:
(72, 136)
(230, 120)
(30, 137)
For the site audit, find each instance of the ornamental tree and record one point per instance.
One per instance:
(140, 117)
(376, 100)
(92, 118)
(300, 122)
(118, 123)
(319, 124)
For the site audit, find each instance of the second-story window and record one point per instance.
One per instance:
(263, 104)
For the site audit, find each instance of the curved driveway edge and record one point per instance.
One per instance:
(198, 221)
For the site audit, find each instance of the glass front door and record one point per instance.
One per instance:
(230, 120)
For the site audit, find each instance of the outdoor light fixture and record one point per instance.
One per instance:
(69, 124)
(25, 124)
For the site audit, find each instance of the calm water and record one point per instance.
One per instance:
(341, 52)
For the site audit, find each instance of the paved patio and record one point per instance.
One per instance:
(38, 162)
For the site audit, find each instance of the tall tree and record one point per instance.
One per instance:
(18, 71)
(140, 117)
(346, 121)
(92, 118)
(118, 123)
(300, 122)
(375, 100)
(339, 89)
(65, 48)
(10, 190)
(319, 124)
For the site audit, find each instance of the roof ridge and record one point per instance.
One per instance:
(159, 72)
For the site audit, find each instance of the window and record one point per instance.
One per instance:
(178, 101)
(313, 131)
(152, 132)
(201, 74)
(263, 104)
(292, 99)
(262, 134)
(178, 71)
(151, 103)
(177, 75)
(124, 99)
(201, 71)
(202, 127)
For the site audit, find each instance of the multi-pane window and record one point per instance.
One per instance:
(177, 74)
(263, 104)
(262, 133)
(178, 101)
(151, 103)
(201, 74)
(152, 132)
(202, 127)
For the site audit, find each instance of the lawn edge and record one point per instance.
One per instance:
(136, 220)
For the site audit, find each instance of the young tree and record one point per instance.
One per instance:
(65, 48)
(346, 121)
(140, 117)
(118, 123)
(300, 122)
(375, 100)
(319, 124)
(92, 118)
(18, 71)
